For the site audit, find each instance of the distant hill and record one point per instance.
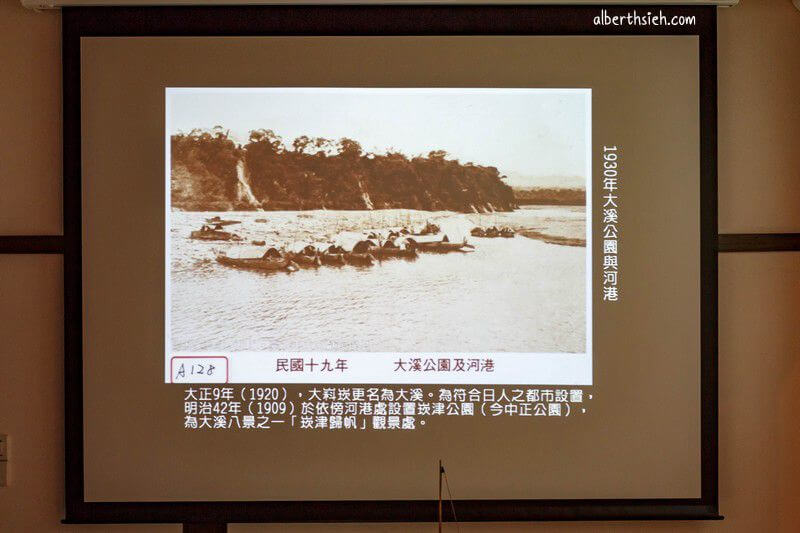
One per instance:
(549, 196)
(522, 181)
(212, 173)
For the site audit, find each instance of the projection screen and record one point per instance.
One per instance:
(316, 250)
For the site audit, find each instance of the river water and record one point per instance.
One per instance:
(509, 295)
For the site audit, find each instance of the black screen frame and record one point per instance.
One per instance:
(78, 22)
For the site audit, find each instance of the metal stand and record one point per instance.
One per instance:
(441, 471)
(199, 527)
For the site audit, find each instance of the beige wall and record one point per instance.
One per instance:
(759, 68)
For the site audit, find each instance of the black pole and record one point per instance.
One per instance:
(440, 495)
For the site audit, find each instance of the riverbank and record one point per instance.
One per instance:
(552, 239)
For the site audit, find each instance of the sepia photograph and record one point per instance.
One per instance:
(378, 220)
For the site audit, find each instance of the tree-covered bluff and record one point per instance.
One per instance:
(210, 172)
(550, 196)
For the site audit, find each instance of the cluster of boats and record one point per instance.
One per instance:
(358, 250)
(492, 232)
(365, 253)
(364, 249)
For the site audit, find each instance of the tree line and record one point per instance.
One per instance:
(316, 173)
(550, 196)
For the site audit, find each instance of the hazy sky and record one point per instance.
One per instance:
(538, 137)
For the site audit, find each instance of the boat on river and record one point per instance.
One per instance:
(429, 229)
(387, 250)
(210, 234)
(493, 232)
(304, 260)
(444, 247)
(218, 221)
(263, 264)
(332, 259)
(358, 259)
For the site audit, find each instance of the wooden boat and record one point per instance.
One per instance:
(304, 260)
(444, 247)
(387, 251)
(478, 232)
(264, 264)
(219, 221)
(332, 259)
(429, 229)
(360, 259)
(214, 235)
(493, 232)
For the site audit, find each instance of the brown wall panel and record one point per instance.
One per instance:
(30, 118)
(759, 117)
